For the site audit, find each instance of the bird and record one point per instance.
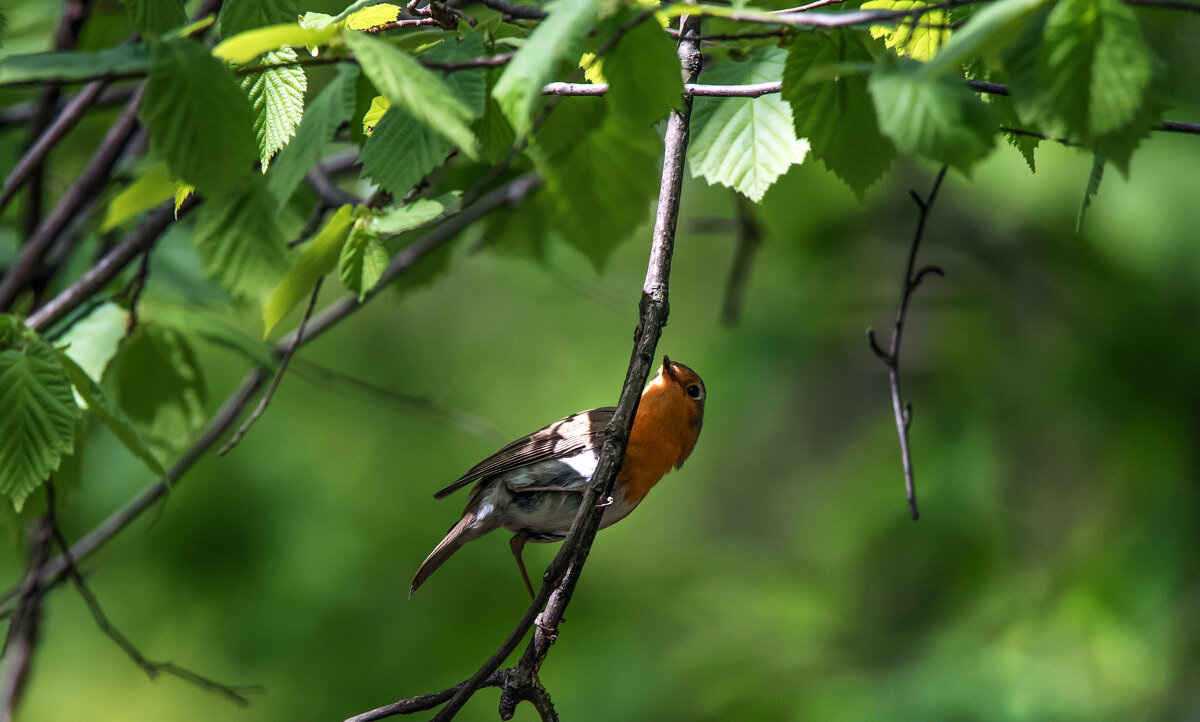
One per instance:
(533, 487)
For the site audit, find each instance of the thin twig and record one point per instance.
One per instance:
(151, 668)
(515, 10)
(21, 640)
(283, 364)
(891, 357)
(749, 239)
(810, 6)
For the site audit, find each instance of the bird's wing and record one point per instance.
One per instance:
(564, 438)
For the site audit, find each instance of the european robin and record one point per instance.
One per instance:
(533, 486)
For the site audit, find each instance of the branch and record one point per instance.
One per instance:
(93, 178)
(891, 358)
(515, 10)
(562, 575)
(21, 640)
(151, 668)
(223, 420)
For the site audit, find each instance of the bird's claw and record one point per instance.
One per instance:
(608, 500)
(550, 632)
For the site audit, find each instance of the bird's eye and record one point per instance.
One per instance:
(693, 391)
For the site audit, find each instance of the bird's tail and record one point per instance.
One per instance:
(459, 534)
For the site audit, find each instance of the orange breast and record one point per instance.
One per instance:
(663, 434)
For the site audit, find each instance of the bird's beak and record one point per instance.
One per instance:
(669, 368)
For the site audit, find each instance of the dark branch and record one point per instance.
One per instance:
(891, 357)
(22, 637)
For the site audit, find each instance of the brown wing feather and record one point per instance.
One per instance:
(565, 437)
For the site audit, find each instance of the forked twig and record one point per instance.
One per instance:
(891, 357)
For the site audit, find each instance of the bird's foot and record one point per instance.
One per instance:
(550, 632)
(608, 500)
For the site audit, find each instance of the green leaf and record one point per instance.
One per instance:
(159, 385)
(496, 137)
(418, 91)
(933, 117)
(362, 262)
(744, 143)
(37, 418)
(277, 97)
(94, 339)
(410, 216)
(155, 17)
(240, 244)
(469, 85)
(320, 257)
(644, 82)
(373, 16)
(200, 122)
(1093, 185)
(919, 39)
(240, 15)
(332, 107)
(210, 326)
(96, 401)
(246, 46)
(379, 106)
(70, 66)
(401, 151)
(836, 115)
(989, 30)
(153, 187)
(556, 39)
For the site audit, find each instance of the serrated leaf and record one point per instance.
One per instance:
(379, 106)
(419, 92)
(155, 17)
(151, 188)
(988, 30)
(159, 385)
(200, 122)
(240, 244)
(93, 340)
(277, 97)
(70, 66)
(240, 15)
(332, 107)
(744, 143)
(37, 418)
(470, 86)
(496, 136)
(836, 115)
(320, 257)
(644, 82)
(401, 151)
(96, 401)
(919, 36)
(183, 190)
(556, 39)
(410, 216)
(373, 16)
(932, 117)
(361, 263)
(246, 46)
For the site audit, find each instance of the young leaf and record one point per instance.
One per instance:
(836, 115)
(932, 117)
(277, 96)
(152, 18)
(401, 151)
(96, 401)
(93, 340)
(240, 15)
(37, 418)
(556, 39)
(919, 35)
(362, 262)
(246, 46)
(324, 115)
(152, 188)
(410, 216)
(240, 244)
(200, 122)
(159, 385)
(745, 143)
(320, 257)
(379, 106)
(644, 83)
(418, 91)
(373, 16)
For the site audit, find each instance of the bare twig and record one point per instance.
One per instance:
(24, 112)
(151, 668)
(891, 357)
(810, 6)
(493, 61)
(749, 239)
(90, 182)
(21, 640)
(515, 10)
(330, 195)
(283, 364)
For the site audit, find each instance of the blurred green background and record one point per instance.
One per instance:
(1054, 573)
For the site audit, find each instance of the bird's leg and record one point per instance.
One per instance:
(517, 544)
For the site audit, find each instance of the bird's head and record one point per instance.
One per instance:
(676, 395)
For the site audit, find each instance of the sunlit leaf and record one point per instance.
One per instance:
(919, 35)
(332, 107)
(277, 96)
(151, 188)
(320, 256)
(362, 262)
(93, 340)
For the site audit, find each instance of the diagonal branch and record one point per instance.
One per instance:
(891, 357)
(520, 683)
